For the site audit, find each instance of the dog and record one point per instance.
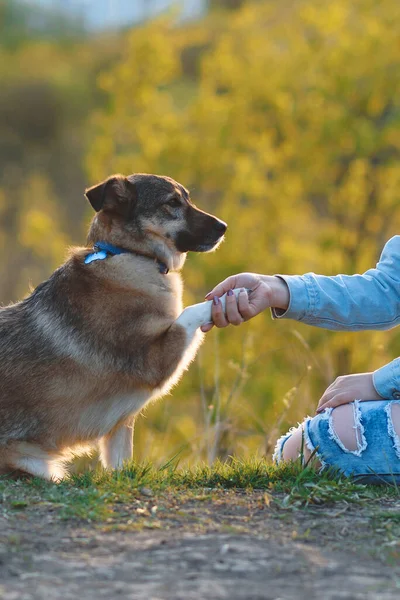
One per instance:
(106, 333)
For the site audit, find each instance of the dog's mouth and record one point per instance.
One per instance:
(189, 242)
(208, 245)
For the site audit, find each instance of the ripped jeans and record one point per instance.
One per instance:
(376, 454)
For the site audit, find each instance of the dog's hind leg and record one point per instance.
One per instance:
(117, 446)
(31, 459)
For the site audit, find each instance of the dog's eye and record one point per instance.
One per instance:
(174, 203)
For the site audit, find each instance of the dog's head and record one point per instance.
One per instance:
(151, 215)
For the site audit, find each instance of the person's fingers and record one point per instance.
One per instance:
(331, 386)
(333, 390)
(337, 400)
(222, 288)
(217, 313)
(326, 396)
(231, 309)
(206, 328)
(335, 386)
(244, 305)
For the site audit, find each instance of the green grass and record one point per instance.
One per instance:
(93, 495)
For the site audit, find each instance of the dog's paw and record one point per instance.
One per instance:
(223, 300)
(197, 315)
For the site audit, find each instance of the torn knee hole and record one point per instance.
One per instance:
(343, 426)
(346, 429)
(393, 414)
(395, 410)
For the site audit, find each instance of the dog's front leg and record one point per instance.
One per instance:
(197, 315)
(117, 446)
(172, 352)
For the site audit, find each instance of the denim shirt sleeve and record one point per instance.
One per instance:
(348, 302)
(387, 380)
(353, 303)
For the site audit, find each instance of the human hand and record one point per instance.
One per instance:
(348, 388)
(266, 291)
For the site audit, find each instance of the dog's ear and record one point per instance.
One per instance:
(116, 194)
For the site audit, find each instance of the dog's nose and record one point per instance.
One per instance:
(221, 227)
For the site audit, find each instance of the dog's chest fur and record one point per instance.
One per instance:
(100, 417)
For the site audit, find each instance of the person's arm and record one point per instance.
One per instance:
(348, 302)
(382, 384)
(342, 302)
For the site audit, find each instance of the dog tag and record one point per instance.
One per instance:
(96, 256)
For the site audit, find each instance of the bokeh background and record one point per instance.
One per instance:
(281, 117)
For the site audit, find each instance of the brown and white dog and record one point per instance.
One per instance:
(83, 354)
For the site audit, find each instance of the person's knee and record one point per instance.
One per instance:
(343, 424)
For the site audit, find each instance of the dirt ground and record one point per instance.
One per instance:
(204, 545)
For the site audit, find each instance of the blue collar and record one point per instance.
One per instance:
(102, 250)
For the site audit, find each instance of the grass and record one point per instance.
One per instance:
(93, 495)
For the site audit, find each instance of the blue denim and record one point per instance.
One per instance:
(377, 456)
(353, 303)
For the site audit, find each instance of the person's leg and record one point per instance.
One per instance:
(345, 428)
(343, 425)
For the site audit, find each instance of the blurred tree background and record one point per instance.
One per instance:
(283, 118)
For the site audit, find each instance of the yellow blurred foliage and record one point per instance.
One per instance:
(288, 130)
(283, 118)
